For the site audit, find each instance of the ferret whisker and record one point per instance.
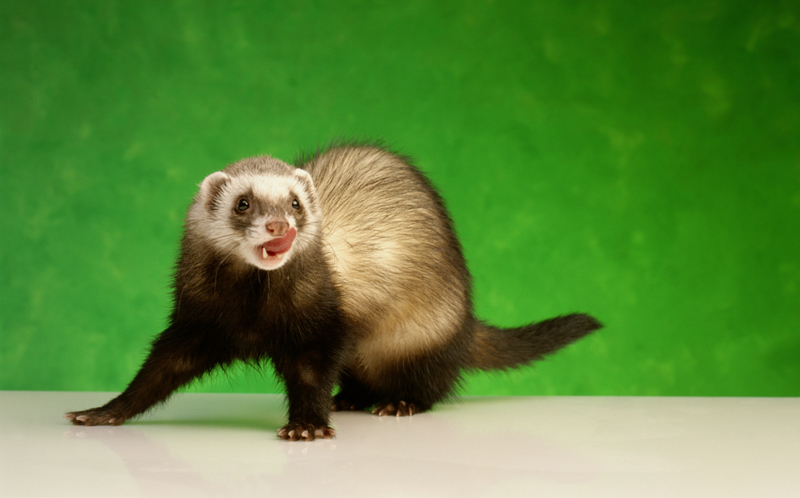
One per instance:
(216, 274)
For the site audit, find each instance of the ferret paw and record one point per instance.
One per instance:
(400, 409)
(305, 432)
(95, 416)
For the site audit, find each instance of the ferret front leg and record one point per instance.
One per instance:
(172, 363)
(309, 380)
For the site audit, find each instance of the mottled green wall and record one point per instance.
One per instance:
(638, 160)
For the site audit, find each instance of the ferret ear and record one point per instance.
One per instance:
(210, 187)
(308, 184)
(306, 177)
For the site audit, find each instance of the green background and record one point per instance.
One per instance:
(636, 160)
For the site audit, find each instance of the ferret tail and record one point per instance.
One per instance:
(495, 348)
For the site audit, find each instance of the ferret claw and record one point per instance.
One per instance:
(305, 432)
(400, 409)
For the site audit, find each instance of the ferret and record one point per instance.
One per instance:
(344, 271)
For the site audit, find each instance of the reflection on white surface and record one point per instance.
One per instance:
(225, 445)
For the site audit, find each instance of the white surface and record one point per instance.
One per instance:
(225, 445)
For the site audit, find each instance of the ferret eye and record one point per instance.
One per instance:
(296, 205)
(243, 205)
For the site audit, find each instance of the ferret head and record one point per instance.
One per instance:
(259, 210)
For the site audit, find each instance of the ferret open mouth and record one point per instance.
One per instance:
(277, 247)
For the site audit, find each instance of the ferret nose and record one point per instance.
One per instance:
(277, 228)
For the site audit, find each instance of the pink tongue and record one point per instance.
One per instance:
(283, 244)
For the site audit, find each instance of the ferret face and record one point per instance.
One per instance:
(259, 210)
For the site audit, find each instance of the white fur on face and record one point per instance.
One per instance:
(270, 196)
